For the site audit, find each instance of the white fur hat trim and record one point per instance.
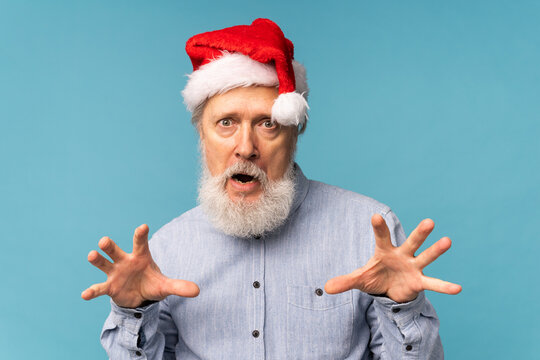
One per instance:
(234, 70)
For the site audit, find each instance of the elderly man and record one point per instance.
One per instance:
(265, 241)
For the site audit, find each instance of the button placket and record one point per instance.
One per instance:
(258, 246)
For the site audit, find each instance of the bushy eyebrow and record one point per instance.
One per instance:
(224, 115)
(236, 115)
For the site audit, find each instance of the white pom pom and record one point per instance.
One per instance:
(290, 109)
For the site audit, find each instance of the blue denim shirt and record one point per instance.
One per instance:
(262, 298)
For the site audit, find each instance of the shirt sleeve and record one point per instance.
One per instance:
(403, 330)
(138, 333)
(143, 333)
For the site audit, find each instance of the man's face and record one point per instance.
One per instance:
(236, 126)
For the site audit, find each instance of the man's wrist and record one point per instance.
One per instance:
(146, 303)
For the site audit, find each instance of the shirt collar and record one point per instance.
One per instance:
(301, 187)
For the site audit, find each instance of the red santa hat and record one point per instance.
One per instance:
(248, 55)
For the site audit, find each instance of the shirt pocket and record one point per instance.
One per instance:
(319, 325)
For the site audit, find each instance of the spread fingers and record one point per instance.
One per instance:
(440, 286)
(140, 240)
(339, 284)
(111, 249)
(94, 291)
(381, 232)
(99, 261)
(418, 236)
(181, 288)
(433, 252)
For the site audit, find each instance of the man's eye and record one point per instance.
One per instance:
(225, 122)
(269, 124)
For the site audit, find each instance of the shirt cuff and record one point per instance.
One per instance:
(133, 319)
(400, 313)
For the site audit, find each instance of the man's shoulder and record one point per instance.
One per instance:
(338, 196)
(182, 224)
(175, 239)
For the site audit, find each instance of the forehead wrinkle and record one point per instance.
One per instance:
(247, 102)
(226, 114)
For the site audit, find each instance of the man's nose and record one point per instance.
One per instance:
(246, 147)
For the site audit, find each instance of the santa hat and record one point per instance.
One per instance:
(248, 55)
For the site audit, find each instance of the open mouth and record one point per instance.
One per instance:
(244, 178)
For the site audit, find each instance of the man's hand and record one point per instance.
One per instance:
(134, 278)
(394, 271)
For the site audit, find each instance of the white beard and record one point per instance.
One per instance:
(244, 218)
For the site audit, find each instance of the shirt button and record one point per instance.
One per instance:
(256, 284)
(319, 292)
(138, 315)
(396, 310)
(408, 347)
(138, 353)
(255, 333)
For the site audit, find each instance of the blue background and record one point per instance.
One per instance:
(430, 107)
